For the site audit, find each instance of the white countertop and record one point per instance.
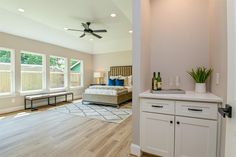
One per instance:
(189, 96)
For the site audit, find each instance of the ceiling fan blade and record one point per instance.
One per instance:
(100, 31)
(98, 36)
(74, 30)
(85, 25)
(82, 35)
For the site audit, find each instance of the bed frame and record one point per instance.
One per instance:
(110, 99)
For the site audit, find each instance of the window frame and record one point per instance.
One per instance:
(44, 77)
(12, 74)
(81, 74)
(65, 75)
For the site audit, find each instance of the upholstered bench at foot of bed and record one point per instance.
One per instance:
(47, 96)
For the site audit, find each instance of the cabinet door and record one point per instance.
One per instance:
(157, 134)
(195, 137)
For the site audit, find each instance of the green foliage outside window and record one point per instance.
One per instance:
(75, 65)
(73, 62)
(57, 62)
(5, 56)
(27, 58)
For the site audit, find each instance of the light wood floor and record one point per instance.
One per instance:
(52, 134)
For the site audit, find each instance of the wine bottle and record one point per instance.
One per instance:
(154, 82)
(159, 82)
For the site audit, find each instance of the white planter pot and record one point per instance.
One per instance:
(200, 87)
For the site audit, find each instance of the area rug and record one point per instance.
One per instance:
(105, 113)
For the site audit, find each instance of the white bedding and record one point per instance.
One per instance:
(108, 90)
(129, 88)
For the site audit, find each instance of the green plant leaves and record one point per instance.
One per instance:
(201, 74)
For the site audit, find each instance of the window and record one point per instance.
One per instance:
(32, 71)
(76, 73)
(57, 72)
(6, 71)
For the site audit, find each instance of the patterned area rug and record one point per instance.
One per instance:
(105, 113)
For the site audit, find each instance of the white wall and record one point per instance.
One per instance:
(141, 58)
(103, 62)
(179, 39)
(19, 43)
(218, 45)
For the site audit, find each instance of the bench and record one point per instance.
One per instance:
(47, 96)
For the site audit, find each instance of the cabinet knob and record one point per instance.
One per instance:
(171, 122)
(178, 122)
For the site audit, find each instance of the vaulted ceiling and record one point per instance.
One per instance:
(45, 20)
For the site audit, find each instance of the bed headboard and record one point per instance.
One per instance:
(120, 70)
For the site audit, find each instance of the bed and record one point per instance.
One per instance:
(110, 95)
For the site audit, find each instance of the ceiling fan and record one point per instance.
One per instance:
(88, 30)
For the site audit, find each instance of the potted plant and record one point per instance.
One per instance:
(200, 75)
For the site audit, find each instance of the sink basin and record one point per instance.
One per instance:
(169, 91)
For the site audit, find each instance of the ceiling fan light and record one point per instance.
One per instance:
(113, 15)
(21, 10)
(66, 28)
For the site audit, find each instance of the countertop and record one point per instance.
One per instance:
(188, 96)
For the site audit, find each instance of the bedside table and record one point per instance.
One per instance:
(94, 84)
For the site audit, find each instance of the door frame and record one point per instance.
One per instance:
(231, 57)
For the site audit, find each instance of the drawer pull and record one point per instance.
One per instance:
(157, 106)
(193, 109)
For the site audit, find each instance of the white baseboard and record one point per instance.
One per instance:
(11, 109)
(135, 150)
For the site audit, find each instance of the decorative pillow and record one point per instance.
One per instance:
(130, 80)
(112, 82)
(120, 82)
(126, 80)
(120, 77)
(114, 77)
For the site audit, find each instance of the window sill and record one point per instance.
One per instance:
(58, 89)
(78, 87)
(24, 93)
(7, 95)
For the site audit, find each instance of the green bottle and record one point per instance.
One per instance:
(159, 81)
(154, 82)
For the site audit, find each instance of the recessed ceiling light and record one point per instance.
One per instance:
(66, 28)
(130, 31)
(113, 15)
(21, 10)
(91, 39)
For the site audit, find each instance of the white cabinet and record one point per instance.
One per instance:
(195, 137)
(158, 106)
(197, 109)
(157, 134)
(179, 128)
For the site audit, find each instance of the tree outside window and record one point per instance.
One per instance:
(57, 72)
(6, 71)
(32, 71)
(76, 74)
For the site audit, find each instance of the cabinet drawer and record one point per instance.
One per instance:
(158, 106)
(197, 109)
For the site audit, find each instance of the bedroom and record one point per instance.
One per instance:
(117, 78)
(49, 55)
(27, 43)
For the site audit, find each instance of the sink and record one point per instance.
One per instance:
(169, 91)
